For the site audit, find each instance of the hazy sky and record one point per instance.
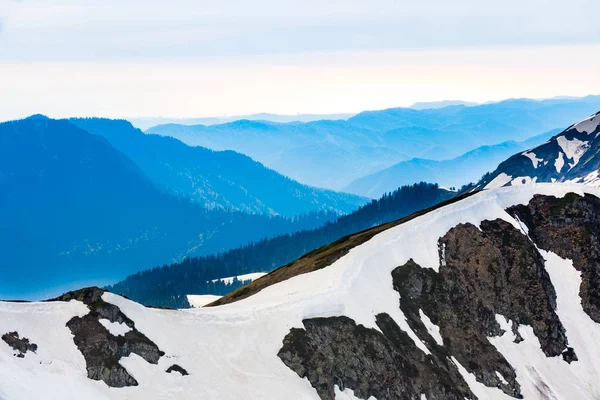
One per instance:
(226, 57)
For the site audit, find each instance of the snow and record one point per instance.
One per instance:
(560, 162)
(499, 181)
(432, 328)
(115, 328)
(551, 375)
(592, 179)
(533, 158)
(479, 389)
(588, 125)
(523, 180)
(448, 189)
(57, 367)
(241, 278)
(200, 300)
(504, 322)
(499, 375)
(443, 255)
(231, 351)
(347, 394)
(573, 148)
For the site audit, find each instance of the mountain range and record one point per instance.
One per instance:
(489, 293)
(332, 154)
(571, 156)
(456, 172)
(216, 179)
(489, 296)
(75, 209)
(148, 122)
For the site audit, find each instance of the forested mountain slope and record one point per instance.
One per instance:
(76, 210)
(168, 285)
(216, 179)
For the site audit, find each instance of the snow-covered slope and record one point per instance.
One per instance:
(243, 278)
(571, 156)
(310, 324)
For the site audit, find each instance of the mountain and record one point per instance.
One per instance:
(216, 179)
(331, 154)
(75, 210)
(492, 296)
(427, 105)
(571, 156)
(169, 285)
(456, 172)
(148, 122)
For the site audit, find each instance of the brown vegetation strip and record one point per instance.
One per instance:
(321, 257)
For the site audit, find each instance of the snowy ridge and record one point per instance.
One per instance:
(200, 300)
(570, 156)
(588, 125)
(231, 351)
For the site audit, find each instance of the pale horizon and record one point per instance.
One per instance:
(205, 59)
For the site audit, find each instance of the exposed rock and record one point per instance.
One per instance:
(177, 368)
(488, 271)
(336, 351)
(569, 355)
(569, 227)
(484, 272)
(22, 345)
(102, 350)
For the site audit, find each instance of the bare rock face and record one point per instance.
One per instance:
(336, 351)
(177, 368)
(569, 227)
(102, 350)
(486, 272)
(21, 345)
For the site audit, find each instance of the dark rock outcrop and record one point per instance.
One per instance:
(336, 351)
(570, 227)
(483, 272)
(101, 349)
(486, 271)
(177, 368)
(21, 345)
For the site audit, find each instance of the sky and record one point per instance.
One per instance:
(143, 58)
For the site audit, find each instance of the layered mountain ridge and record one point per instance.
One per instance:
(216, 179)
(332, 154)
(75, 209)
(456, 172)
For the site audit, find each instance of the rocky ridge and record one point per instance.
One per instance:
(488, 275)
(101, 348)
(571, 156)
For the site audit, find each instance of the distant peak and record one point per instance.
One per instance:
(37, 116)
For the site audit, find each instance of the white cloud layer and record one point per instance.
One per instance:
(132, 29)
(198, 58)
